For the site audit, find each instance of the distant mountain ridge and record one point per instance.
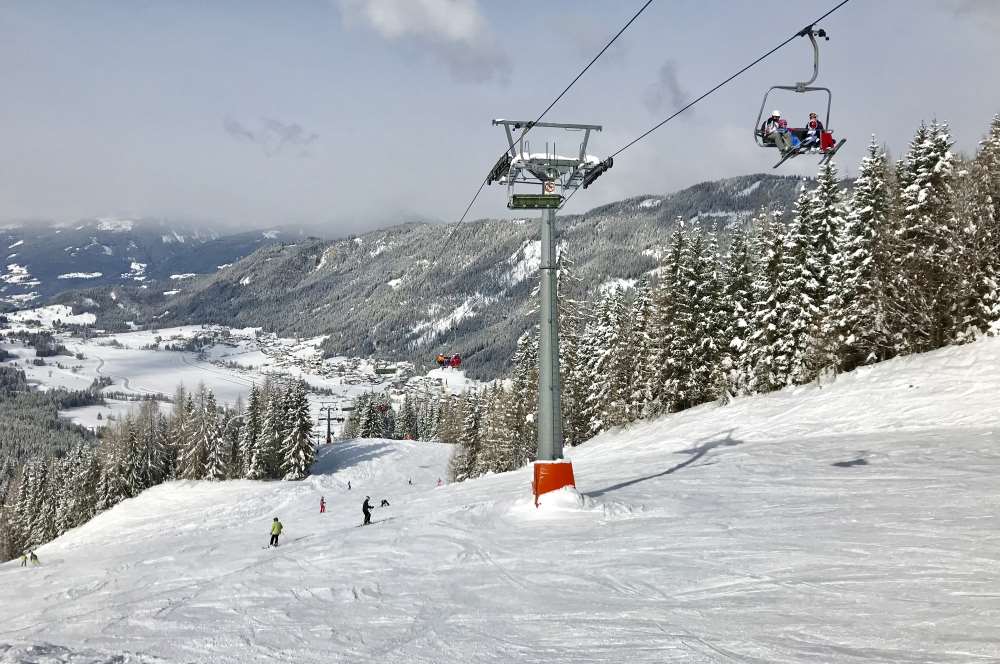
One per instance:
(372, 294)
(41, 260)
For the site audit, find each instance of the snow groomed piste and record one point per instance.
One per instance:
(850, 522)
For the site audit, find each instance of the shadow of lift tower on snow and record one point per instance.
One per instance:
(696, 453)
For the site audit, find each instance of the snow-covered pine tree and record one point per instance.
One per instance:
(659, 370)
(523, 402)
(736, 308)
(254, 467)
(857, 321)
(151, 433)
(766, 366)
(497, 451)
(407, 424)
(297, 448)
(78, 505)
(800, 317)
(925, 245)
(177, 427)
(134, 468)
(703, 377)
(112, 486)
(976, 208)
(825, 224)
(608, 369)
(193, 457)
(468, 448)
(270, 436)
(572, 322)
(378, 419)
(428, 415)
(217, 450)
(826, 229)
(638, 348)
(684, 338)
(44, 523)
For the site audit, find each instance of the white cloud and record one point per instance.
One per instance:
(453, 31)
(448, 20)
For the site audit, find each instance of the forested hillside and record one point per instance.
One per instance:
(402, 294)
(30, 425)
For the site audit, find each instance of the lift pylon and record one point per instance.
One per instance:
(554, 174)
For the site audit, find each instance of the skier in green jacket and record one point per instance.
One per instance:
(275, 531)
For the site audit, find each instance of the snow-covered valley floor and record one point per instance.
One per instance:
(857, 522)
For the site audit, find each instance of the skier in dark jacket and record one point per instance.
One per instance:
(814, 129)
(367, 509)
(385, 503)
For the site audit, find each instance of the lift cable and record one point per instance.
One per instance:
(649, 131)
(524, 132)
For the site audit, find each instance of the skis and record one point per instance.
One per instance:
(832, 151)
(372, 523)
(827, 156)
(794, 152)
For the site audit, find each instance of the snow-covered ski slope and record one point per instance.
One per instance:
(854, 522)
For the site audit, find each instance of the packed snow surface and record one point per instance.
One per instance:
(855, 521)
(49, 315)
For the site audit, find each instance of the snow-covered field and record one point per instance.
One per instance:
(854, 522)
(231, 361)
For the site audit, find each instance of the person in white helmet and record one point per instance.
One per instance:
(775, 128)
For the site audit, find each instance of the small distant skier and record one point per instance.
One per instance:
(366, 508)
(348, 485)
(410, 481)
(24, 559)
(276, 529)
(385, 503)
(322, 505)
(440, 482)
(33, 558)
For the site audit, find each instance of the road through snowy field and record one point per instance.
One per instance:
(854, 522)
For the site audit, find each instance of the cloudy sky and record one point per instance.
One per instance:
(347, 114)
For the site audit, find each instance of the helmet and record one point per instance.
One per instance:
(776, 113)
(275, 518)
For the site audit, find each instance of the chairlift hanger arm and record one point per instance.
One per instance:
(812, 34)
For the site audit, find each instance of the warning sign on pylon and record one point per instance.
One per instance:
(549, 187)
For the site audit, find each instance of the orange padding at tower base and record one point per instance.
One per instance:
(550, 476)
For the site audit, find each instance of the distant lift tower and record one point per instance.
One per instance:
(553, 175)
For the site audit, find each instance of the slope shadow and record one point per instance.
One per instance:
(340, 456)
(860, 461)
(696, 452)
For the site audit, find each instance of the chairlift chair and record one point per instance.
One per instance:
(828, 146)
